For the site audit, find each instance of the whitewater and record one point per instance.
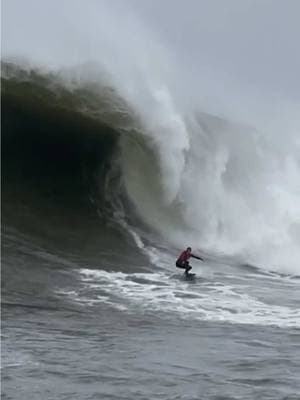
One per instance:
(123, 143)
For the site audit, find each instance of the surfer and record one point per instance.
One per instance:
(183, 260)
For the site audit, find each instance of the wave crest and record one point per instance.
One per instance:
(193, 177)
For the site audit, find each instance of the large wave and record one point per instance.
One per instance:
(193, 177)
(200, 163)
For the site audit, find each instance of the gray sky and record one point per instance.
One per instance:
(252, 42)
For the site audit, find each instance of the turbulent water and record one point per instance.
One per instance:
(95, 210)
(131, 130)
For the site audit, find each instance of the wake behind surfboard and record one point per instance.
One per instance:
(189, 277)
(185, 277)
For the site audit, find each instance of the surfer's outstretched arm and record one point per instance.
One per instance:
(197, 257)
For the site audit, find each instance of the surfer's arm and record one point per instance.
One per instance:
(197, 257)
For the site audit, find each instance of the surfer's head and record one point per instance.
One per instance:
(189, 249)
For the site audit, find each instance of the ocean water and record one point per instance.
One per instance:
(92, 304)
(128, 134)
(74, 328)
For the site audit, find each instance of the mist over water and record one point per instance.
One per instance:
(218, 163)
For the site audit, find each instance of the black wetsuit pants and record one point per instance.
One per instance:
(184, 265)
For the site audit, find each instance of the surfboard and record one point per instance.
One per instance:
(184, 277)
(190, 277)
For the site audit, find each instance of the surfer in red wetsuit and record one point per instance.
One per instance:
(183, 260)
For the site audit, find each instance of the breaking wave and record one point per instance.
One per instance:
(139, 155)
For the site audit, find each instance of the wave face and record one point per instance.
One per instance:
(204, 159)
(218, 185)
(193, 177)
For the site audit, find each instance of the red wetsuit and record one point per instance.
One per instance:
(183, 260)
(184, 257)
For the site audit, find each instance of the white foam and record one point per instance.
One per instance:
(80, 297)
(158, 292)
